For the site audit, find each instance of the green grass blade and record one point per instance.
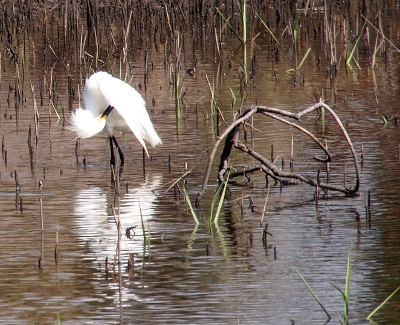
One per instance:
(221, 201)
(214, 201)
(55, 110)
(192, 237)
(312, 292)
(346, 293)
(344, 299)
(385, 119)
(229, 24)
(270, 31)
(348, 59)
(304, 58)
(356, 62)
(382, 304)
(274, 37)
(185, 191)
(352, 53)
(233, 95)
(340, 290)
(59, 319)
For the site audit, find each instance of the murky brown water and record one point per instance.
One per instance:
(174, 280)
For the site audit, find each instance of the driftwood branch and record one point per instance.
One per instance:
(328, 159)
(269, 168)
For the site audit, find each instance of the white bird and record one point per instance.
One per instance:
(112, 104)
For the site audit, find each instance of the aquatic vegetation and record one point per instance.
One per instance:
(345, 295)
(227, 79)
(189, 203)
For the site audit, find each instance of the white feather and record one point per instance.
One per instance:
(84, 124)
(102, 90)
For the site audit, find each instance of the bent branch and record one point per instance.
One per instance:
(270, 169)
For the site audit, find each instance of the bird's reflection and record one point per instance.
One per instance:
(96, 225)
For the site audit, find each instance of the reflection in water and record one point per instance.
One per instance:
(176, 282)
(96, 224)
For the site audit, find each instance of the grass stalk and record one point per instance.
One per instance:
(382, 304)
(350, 55)
(229, 25)
(265, 206)
(314, 295)
(221, 201)
(274, 37)
(177, 81)
(304, 58)
(59, 319)
(185, 191)
(297, 67)
(346, 293)
(176, 93)
(376, 49)
(213, 105)
(233, 95)
(55, 110)
(214, 202)
(380, 32)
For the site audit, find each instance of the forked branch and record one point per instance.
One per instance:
(269, 168)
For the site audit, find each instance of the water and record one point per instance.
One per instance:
(183, 274)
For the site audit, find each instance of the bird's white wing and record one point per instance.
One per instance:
(131, 106)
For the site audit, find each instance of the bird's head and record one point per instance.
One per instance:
(85, 125)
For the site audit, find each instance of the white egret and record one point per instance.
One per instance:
(112, 104)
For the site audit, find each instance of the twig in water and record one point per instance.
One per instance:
(17, 187)
(56, 246)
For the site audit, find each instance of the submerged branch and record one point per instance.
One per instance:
(279, 175)
(329, 159)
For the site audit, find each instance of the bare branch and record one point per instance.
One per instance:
(267, 167)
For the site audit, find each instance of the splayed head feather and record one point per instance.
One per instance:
(85, 125)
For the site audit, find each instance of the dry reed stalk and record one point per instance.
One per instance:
(56, 246)
(17, 187)
(217, 43)
(272, 152)
(35, 114)
(291, 153)
(41, 213)
(125, 32)
(118, 224)
(265, 205)
(3, 149)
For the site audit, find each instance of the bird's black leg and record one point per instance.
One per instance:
(121, 155)
(112, 159)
